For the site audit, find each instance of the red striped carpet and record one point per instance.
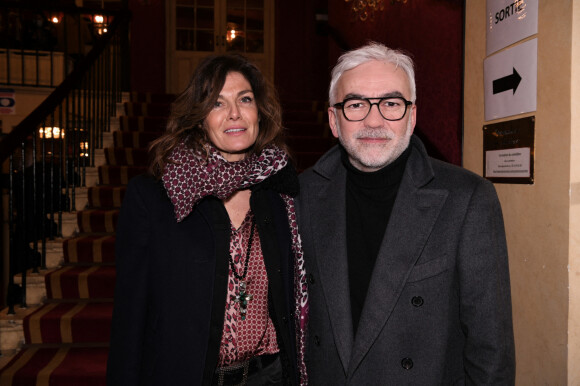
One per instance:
(89, 249)
(62, 365)
(66, 339)
(81, 282)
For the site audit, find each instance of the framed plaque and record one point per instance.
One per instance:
(508, 151)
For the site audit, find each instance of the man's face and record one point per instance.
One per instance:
(374, 142)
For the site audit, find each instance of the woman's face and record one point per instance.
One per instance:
(232, 125)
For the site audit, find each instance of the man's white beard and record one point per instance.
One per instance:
(374, 156)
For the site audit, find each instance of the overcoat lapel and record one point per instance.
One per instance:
(217, 217)
(329, 224)
(412, 219)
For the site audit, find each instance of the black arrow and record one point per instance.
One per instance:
(507, 83)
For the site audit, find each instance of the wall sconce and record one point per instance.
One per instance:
(233, 31)
(84, 149)
(99, 24)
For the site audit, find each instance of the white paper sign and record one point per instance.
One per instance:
(509, 21)
(510, 81)
(507, 163)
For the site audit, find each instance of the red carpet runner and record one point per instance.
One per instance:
(66, 339)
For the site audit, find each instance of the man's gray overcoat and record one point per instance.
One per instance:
(438, 307)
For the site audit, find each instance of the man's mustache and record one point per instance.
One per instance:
(374, 133)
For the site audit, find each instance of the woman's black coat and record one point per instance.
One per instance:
(172, 283)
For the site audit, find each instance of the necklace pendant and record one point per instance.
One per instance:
(242, 299)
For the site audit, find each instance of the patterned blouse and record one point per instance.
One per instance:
(255, 335)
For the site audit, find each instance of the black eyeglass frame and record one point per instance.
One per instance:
(340, 105)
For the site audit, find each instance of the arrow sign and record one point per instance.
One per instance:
(500, 75)
(510, 82)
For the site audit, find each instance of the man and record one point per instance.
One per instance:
(407, 259)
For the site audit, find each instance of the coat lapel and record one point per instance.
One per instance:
(217, 218)
(329, 224)
(412, 219)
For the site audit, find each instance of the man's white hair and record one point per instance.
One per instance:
(371, 51)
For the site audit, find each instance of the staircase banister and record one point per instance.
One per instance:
(29, 124)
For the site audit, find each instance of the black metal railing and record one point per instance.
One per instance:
(39, 47)
(49, 152)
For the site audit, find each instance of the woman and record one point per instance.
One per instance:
(210, 278)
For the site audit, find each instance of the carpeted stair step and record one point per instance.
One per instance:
(134, 139)
(97, 220)
(118, 156)
(66, 338)
(106, 196)
(81, 282)
(89, 249)
(62, 366)
(156, 124)
(119, 175)
(134, 109)
(69, 322)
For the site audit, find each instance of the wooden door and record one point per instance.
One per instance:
(197, 28)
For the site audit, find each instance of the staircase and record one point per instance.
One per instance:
(61, 339)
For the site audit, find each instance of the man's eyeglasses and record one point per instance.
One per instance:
(356, 109)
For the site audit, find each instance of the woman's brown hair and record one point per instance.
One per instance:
(192, 106)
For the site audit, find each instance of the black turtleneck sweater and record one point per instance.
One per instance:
(370, 197)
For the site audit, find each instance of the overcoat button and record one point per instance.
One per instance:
(310, 278)
(267, 220)
(316, 340)
(407, 363)
(417, 301)
(285, 319)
